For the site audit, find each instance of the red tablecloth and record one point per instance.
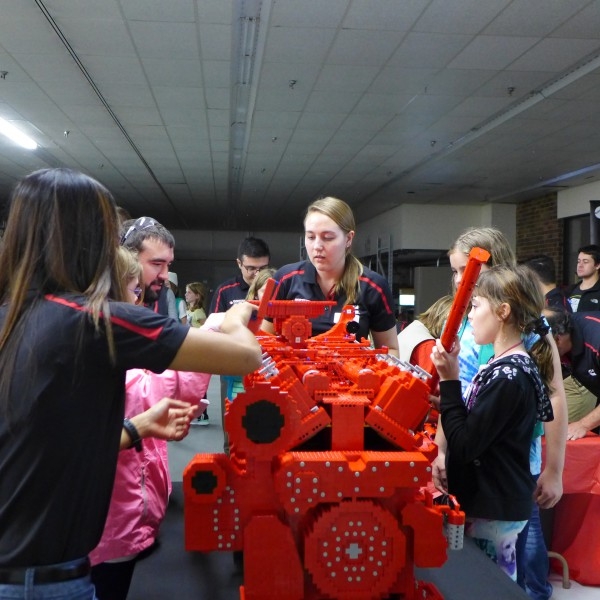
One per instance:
(576, 532)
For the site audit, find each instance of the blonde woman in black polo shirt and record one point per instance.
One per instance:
(334, 273)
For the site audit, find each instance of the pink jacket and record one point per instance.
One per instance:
(142, 482)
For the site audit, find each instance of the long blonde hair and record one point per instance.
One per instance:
(129, 269)
(258, 282)
(341, 214)
(435, 316)
(488, 238)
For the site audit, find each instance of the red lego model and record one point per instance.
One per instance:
(326, 488)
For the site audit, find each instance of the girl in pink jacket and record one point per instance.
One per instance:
(142, 483)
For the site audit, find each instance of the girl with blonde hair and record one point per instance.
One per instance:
(257, 286)
(142, 483)
(417, 339)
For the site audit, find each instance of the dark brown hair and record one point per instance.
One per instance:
(60, 237)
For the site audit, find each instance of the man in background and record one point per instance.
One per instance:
(585, 295)
(252, 257)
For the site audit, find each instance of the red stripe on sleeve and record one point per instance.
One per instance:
(590, 347)
(287, 276)
(381, 293)
(151, 334)
(221, 290)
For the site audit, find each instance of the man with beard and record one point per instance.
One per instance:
(155, 247)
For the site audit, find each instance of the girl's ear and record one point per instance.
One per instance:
(504, 311)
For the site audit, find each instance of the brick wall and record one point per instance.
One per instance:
(539, 231)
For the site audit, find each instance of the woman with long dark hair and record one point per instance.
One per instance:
(64, 350)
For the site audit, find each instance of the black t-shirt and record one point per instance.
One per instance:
(374, 306)
(229, 293)
(57, 460)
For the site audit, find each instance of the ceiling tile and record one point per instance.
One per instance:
(158, 10)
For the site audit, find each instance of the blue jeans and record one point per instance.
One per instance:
(532, 559)
(75, 589)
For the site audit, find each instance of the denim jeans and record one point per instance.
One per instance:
(532, 559)
(75, 589)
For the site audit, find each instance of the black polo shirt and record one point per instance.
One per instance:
(229, 293)
(374, 306)
(58, 457)
(585, 354)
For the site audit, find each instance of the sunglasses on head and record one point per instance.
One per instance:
(138, 225)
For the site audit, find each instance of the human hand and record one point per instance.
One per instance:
(434, 401)
(576, 430)
(238, 314)
(446, 362)
(438, 471)
(548, 490)
(168, 419)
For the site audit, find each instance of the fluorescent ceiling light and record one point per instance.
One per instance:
(11, 132)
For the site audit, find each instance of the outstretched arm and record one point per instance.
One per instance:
(387, 338)
(231, 351)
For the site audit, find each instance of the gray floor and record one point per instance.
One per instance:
(201, 438)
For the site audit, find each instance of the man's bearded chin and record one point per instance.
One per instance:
(150, 295)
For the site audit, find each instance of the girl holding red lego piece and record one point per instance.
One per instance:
(531, 550)
(489, 436)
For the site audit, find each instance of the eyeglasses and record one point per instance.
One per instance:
(253, 270)
(138, 225)
(137, 291)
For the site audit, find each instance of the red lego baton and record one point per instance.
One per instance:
(477, 257)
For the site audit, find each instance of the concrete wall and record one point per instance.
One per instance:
(432, 227)
(576, 201)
